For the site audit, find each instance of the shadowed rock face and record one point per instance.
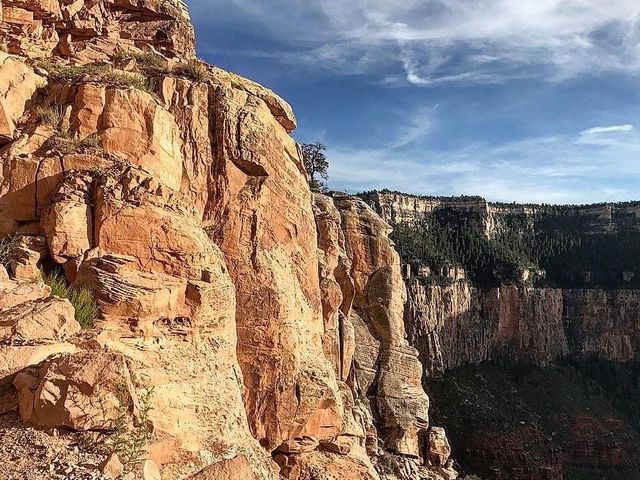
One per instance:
(555, 429)
(461, 325)
(268, 326)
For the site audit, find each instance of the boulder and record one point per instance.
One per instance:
(233, 469)
(27, 255)
(112, 467)
(439, 449)
(48, 319)
(15, 358)
(83, 391)
(67, 221)
(18, 83)
(14, 293)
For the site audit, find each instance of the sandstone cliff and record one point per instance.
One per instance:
(461, 325)
(264, 328)
(395, 207)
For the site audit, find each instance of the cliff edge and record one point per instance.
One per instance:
(243, 328)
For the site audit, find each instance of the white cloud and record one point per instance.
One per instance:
(612, 129)
(430, 42)
(552, 169)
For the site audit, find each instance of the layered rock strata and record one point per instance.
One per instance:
(269, 341)
(487, 217)
(461, 325)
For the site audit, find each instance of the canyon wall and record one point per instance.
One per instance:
(457, 325)
(395, 207)
(264, 326)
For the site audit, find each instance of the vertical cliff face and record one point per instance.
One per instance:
(461, 325)
(262, 325)
(364, 297)
(529, 379)
(396, 208)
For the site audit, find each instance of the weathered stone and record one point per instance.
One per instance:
(235, 468)
(15, 358)
(382, 357)
(45, 319)
(85, 391)
(112, 467)
(298, 445)
(290, 387)
(68, 222)
(27, 255)
(439, 449)
(15, 293)
(150, 470)
(18, 83)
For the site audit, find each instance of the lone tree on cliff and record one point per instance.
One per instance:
(315, 161)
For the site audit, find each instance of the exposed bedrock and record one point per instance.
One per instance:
(460, 325)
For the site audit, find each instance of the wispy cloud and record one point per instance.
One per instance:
(611, 129)
(552, 169)
(431, 42)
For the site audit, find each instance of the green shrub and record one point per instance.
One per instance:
(122, 79)
(193, 70)
(71, 73)
(97, 72)
(50, 115)
(64, 142)
(130, 441)
(86, 309)
(7, 245)
(145, 61)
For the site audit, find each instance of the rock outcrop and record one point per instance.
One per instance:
(264, 328)
(364, 299)
(461, 325)
(487, 217)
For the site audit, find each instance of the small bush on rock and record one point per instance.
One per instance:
(193, 70)
(130, 441)
(50, 115)
(7, 245)
(145, 61)
(86, 309)
(95, 72)
(65, 143)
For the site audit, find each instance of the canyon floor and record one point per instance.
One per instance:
(536, 423)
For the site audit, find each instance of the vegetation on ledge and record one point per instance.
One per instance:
(555, 242)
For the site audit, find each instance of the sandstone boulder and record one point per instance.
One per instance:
(112, 467)
(49, 319)
(26, 258)
(84, 391)
(439, 449)
(15, 358)
(235, 468)
(14, 293)
(18, 83)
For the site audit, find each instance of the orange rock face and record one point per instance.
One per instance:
(290, 388)
(385, 361)
(267, 325)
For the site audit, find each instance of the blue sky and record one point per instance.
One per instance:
(528, 100)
